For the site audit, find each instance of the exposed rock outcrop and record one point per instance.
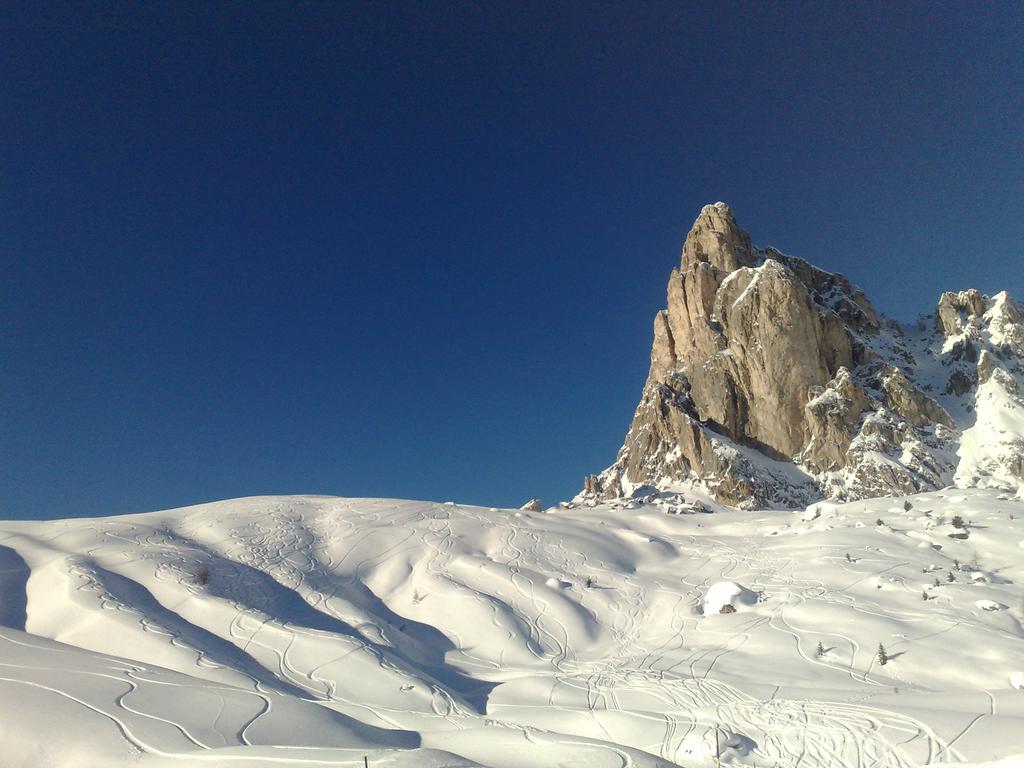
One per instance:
(773, 382)
(955, 311)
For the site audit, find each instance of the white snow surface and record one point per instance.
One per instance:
(991, 448)
(316, 631)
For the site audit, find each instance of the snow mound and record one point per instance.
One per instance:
(990, 605)
(732, 745)
(710, 746)
(727, 593)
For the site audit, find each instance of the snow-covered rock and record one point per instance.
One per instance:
(989, 605)
(774, 383)
(727, 595)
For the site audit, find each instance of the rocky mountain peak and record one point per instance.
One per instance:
(716, 239)
(956, 310)
(774, 382)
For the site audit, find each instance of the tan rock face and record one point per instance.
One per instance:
(779, 345)
(773, 381)
(833, 415)
(741, 341)
(743, 332)
(743, 335)
(956, 309)
(715, 239)
(908, 401)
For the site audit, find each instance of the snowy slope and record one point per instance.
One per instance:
(316, 631)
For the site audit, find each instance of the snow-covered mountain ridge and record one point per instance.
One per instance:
(320, 631)
(646, 624)
(773, 383)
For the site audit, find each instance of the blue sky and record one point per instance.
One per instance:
(414, 250)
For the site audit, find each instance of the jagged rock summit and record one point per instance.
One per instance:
(773, 383)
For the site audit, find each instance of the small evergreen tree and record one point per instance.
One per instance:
(907, 506)
(590, 582)
(879, 521)
(950, 577)
(883, 657)
(819, 651)
(924, 595)
(937, 583)
(956, 564)
(957, 521)
(848, 558)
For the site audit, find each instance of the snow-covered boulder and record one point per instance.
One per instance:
(989, 605)
(733, 745)
(727, 593)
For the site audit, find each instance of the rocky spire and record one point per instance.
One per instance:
(773, 382)
(716, 239)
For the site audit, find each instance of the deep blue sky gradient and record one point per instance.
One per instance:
(414, 250)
